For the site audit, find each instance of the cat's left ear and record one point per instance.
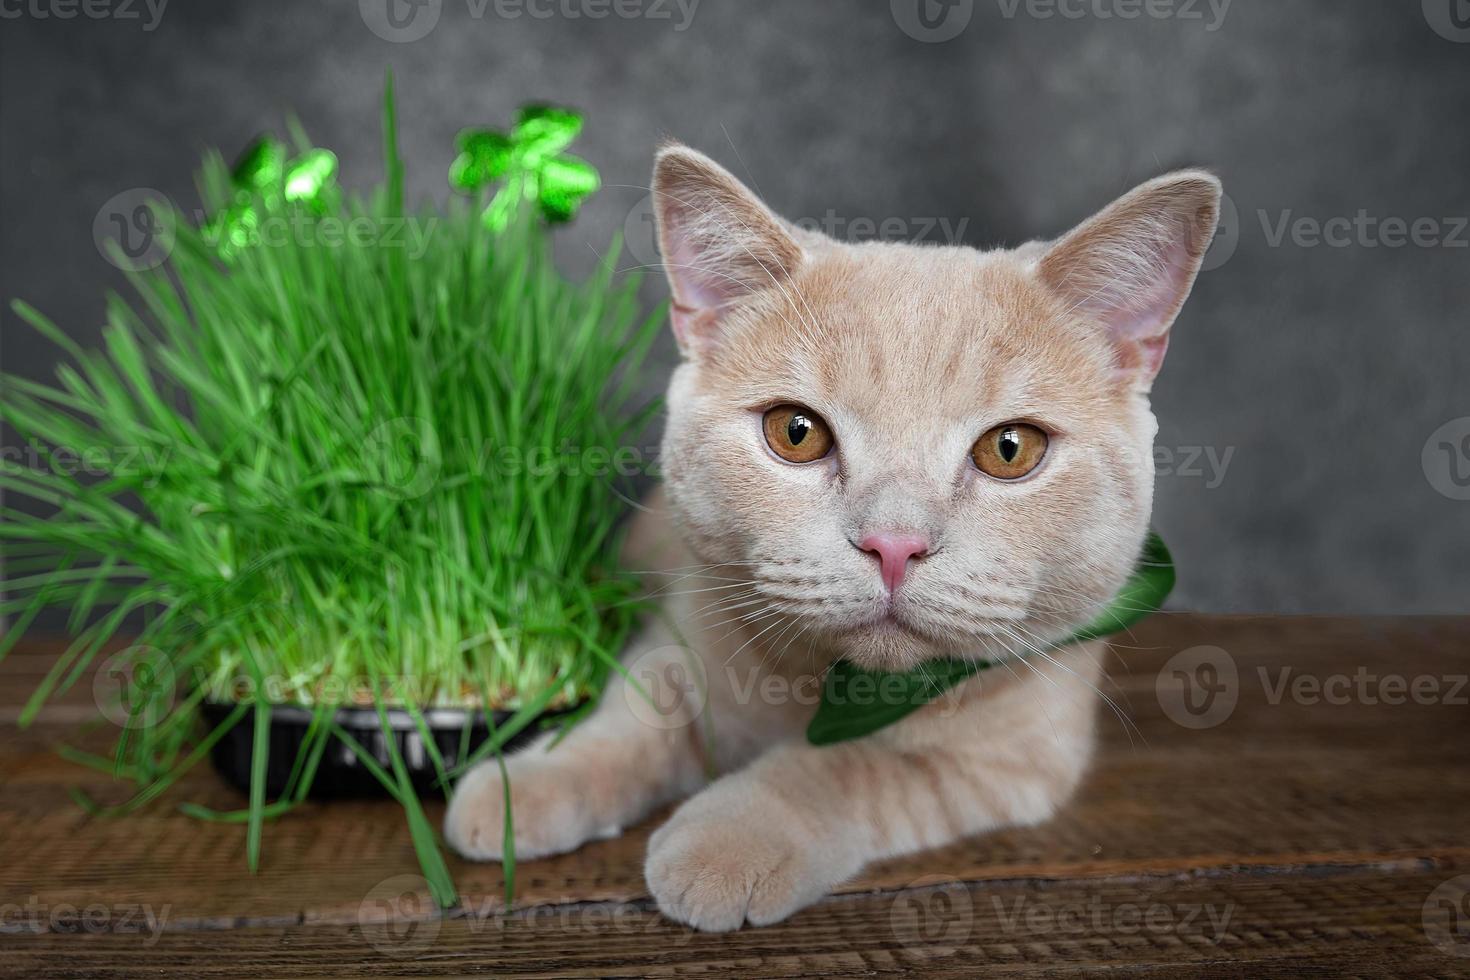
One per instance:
(1130, 267)
(720, 244)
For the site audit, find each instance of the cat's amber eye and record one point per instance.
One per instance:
(1010, 451)
(797, 434)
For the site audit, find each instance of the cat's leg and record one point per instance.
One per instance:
(645, 745)
(613, 769)
(761, 843)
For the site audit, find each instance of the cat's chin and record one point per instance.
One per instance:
(886, 644)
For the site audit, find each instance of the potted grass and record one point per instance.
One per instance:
(352, 504)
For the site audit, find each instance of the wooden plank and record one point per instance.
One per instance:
(1265, 924)
(1285, 785)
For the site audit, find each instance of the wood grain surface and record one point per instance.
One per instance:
(1300, 808)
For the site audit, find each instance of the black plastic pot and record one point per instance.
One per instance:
(341, 774)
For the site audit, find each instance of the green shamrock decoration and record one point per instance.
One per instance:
(530, 161)
(265, 181)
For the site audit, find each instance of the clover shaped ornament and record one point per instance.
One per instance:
(531, 162)
(265, 182)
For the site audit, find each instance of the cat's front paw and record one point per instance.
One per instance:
(552, 816)
(716, 867)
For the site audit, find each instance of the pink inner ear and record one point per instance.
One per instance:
(689, 323)
(1138, 323)
(1154, 349)
(698, 285)
(720, 244)
(700, 291)
(1130, 267)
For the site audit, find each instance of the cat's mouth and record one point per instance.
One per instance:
(888, 639)
(898, 632)
(894, 621)
(890, 620)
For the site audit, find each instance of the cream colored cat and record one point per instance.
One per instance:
(884, 452)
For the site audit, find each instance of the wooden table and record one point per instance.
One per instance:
(1301, 808)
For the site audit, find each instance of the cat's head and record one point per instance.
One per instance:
(916, 451)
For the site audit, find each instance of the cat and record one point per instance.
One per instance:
(885, 452)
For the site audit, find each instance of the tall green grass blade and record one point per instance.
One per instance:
(259, 760)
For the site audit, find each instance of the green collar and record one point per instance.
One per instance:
(857, 701)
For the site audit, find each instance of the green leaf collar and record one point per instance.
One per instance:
(856, 702)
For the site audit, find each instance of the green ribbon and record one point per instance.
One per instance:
(856, 702)
(266, 182)
(529, 159)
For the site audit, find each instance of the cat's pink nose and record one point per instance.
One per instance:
(894, 550)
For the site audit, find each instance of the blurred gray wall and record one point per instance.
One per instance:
(1315, 408)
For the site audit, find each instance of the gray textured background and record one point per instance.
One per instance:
(1321, 370)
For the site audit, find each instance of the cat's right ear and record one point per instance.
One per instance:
(719, 243)
(1130, 267)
